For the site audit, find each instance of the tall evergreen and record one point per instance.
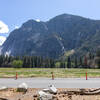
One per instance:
(76, 62)
(1, 60)
(80, 61)
(68, 62)
(85, 62)
(98, 58)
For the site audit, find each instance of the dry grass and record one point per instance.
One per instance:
(46, 72)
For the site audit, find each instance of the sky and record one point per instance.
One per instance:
(15, 12)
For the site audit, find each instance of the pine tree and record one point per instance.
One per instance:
(61, 64)
(76, 62)
(69, 62)
(81, 63)
(1, 60)
(98, 58)
(32, 62)
(85, 62)
(90, 55)
(64, 65)
(52, 63)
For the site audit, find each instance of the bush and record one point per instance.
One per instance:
(17, 63)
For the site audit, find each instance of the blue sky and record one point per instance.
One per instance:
(15, 12)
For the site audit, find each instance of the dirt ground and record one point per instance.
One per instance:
(32, 94)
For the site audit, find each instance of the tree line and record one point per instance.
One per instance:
(26, 62)
(88, 61)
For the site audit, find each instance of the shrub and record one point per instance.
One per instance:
(17, 63)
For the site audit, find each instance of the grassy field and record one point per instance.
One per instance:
(46, 72)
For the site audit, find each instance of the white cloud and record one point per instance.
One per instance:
(2, 40)
(16, 27)
(3, 27)
(38, 20)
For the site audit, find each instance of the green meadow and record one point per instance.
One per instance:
(46, 72)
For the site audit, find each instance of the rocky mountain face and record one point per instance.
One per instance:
(54, 37)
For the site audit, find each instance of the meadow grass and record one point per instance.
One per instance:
(46, 72)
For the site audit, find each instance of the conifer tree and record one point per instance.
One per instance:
(80, 61)
(69, 62)
(76, 62)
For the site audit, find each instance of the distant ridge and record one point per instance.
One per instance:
(55, 37)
